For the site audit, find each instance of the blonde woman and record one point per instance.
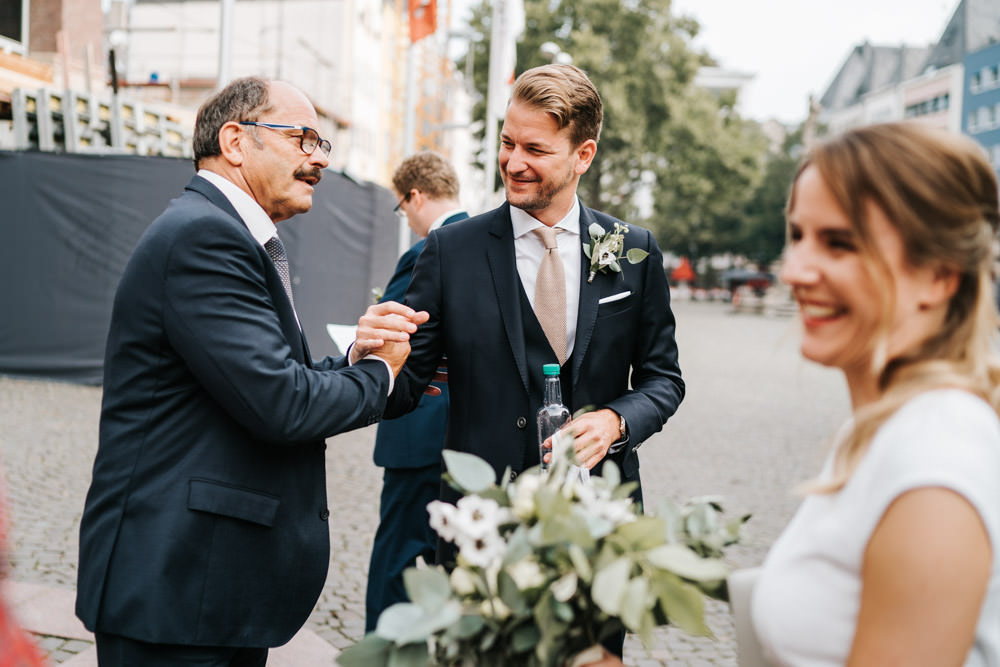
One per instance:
(892, 558)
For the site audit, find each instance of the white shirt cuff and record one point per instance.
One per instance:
(388, 366)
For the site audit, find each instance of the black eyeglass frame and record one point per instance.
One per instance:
(321, 143)
(401, 202)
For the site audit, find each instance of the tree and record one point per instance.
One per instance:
(664, 139)
(763, 232)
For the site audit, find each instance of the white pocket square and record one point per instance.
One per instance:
(614, 297)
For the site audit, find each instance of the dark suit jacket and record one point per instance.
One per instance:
(467, 279)
(206, 521)
(413, 440)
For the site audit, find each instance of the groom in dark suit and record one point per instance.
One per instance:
(205, 539)
(483, 283)
(510, 290)
(409, 448)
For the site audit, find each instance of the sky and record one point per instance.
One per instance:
(796, 47)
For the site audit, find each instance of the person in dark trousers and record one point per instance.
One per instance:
(409, 447)
(512, 289)
(204, 538)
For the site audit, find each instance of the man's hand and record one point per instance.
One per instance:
(594, 433)
(383, 323)
(596, 656)
(395, 354)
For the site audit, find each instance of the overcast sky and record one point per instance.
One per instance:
(795, 47)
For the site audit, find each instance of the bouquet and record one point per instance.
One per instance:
(548, 566)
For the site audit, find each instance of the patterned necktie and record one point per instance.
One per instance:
(276, 250)
(550, 293)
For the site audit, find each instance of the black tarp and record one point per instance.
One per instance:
(68, 224)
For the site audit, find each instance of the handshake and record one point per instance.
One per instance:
(384, 330)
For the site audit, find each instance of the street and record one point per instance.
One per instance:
(754, 423)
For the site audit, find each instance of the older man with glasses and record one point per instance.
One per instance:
(205, 539)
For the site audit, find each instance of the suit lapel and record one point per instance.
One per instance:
(289, 323)
(590, 293)
(503, 268)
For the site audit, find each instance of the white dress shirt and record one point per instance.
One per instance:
(529, 250)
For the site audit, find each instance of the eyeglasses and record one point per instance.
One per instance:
(308, 140)
(399, 207)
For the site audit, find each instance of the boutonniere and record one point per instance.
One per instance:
(605, 249)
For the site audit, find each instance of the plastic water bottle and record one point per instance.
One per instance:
(553, 415)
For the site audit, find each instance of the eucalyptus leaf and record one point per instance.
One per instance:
(524, 638)
(636, 255)
(411, 655)
(396, 620)
(580, 563)
(609, 585)
(468, 625)
(586, 250)
(683, 605)
(635, 603)
(685, 563)
(644, 533)
(647, 626)
(469, 472)
(611, 474)
(372, 651)
(427, 587)
(429, 624)
(511, 595)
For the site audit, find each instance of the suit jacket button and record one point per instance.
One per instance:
(521, 422)
(324, 514)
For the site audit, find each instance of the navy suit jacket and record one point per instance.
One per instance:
(413, 440)
(206, 520)
(467, 280)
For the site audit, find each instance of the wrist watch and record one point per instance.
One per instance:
(621, 427)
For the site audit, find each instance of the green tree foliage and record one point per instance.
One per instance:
(686, 149)
(763, 231)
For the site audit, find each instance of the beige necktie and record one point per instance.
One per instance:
(550, 293)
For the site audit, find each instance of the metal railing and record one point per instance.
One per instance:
(75, 122)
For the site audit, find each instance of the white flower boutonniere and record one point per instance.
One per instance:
(605, 250)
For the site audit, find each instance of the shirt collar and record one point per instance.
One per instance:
(440, 221)
(524, 223)
(261, 227)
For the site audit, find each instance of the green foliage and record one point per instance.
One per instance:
(547, 566)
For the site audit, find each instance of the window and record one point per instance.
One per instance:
(984, 119)
(975, 83)
(972, 123)
(13, 25)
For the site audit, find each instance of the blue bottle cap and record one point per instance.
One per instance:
(550, 369)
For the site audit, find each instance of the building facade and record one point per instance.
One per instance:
(981, 101)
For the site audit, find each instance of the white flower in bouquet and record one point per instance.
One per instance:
(442, 518)
(547, 566)
(462, 581)
(522, 495)
(527, 574)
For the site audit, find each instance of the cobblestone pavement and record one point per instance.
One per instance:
(753, 424)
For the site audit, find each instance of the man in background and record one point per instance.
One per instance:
(409, 448)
